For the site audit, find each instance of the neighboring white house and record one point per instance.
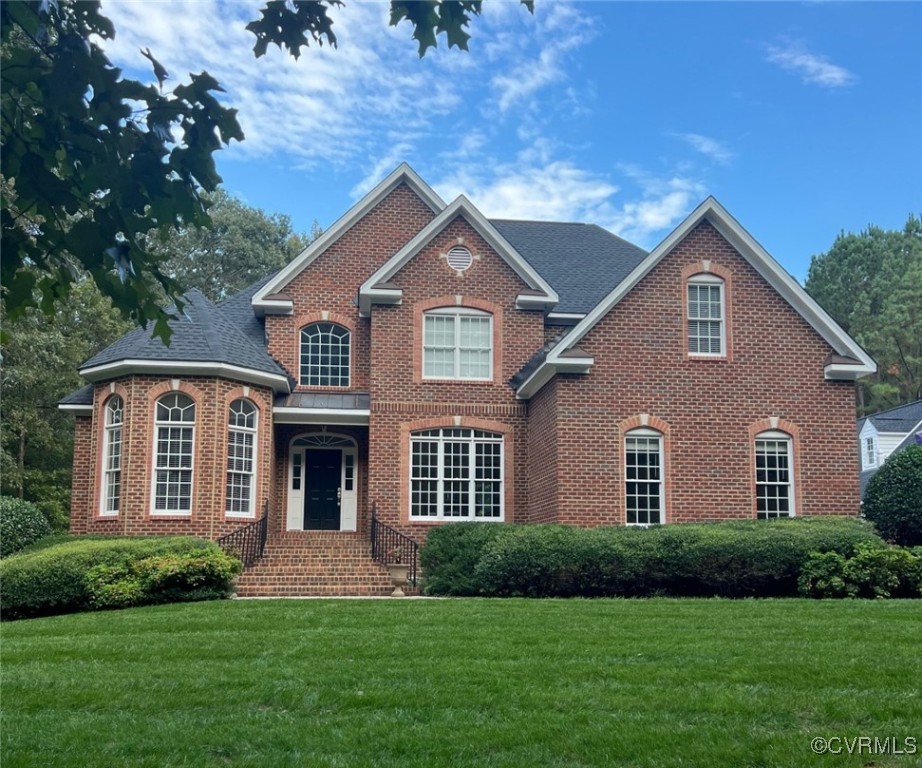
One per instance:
(881, 434)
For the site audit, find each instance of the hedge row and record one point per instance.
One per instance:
(747, 558)
(86, 573)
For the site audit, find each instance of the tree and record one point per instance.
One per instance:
(92, 161)
(871, 283)
(893, 498)
(242, 245)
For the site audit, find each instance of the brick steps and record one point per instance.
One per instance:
(315, 564)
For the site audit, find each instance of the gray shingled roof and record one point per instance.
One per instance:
(204, 333)
(900, 419)
(582, 262)
(82, 396)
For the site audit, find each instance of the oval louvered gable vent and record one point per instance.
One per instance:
(460, 258)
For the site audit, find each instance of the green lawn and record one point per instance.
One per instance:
(463, 682)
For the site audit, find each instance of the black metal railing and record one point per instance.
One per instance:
(248, 543)
(390, 546)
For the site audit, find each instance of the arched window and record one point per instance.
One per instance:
(241, 459)
(774, 461)
(112, 457)
(706, 310)
(325, 354)
(456, 474)
(174, 430)
(643, 477)
(457, 344)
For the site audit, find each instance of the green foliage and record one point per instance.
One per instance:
(873, 571)
(53, 579)
(893, 498)
(871, 283)
(169, 578)
(746, 558)
(451, 554)
(21, 524)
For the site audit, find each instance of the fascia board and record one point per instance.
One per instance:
(76, 409)
(332, 416)
(403, 173)
(838, 372)
(185, 368)
(532, 385)
(273, 307)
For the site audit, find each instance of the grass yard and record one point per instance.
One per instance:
(464, 683)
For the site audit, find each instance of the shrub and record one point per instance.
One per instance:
(21, 524)
(893, 498)
(872, 571)
(731, 559)
(53, 579)
(451, 553)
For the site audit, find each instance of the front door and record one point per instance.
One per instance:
(324, 491)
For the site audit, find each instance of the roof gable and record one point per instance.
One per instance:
(266, 300)
(379, 289)
(858, 362)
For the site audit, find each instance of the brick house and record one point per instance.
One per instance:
(435, 365)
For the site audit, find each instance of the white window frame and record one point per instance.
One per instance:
(870, 452)
(440, 439)
(660, 483)
(234, 429)
(457, 313)
(112, 464)
(156, 469)
(316, 374)
(775, 436)
(709, 281)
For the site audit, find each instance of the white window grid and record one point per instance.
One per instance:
(458, 344)
(774, 482)
(112, 457)
(241, 459)
(643, 473)
(456, 474)
(870, 456)
(325, 355)
(706, 317)
(174, 455)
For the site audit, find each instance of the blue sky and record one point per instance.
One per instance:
(803, 119)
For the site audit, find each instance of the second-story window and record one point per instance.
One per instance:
(706, 317)
(325, 355)
(457, 344)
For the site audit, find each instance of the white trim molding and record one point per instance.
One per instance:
(77, 409)
(339, 417)
(186, 368)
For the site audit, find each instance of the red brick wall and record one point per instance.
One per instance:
(81, 487)
(774, 369)
(544, 457)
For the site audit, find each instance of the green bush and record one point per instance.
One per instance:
(874, 570)
(21, 524)
(169, 578)
(732, 559)
(52, 579)
(893, 498)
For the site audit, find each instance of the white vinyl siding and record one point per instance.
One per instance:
(457, 344)
(241, 459)
(706, 317)
(174, 431)
(774, 476)
(643, 473)
(112, 458)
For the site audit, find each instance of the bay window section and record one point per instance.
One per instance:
(112, 457)
(241, 455)
(174, 431)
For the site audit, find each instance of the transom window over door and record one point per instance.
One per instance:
(456, 474)
(112, 457)
(457, 344)
(325, 355)
(173, 463)
(643, 473)
(774, 485)
(706, 317)
(241, 455)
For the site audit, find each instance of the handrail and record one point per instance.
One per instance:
(249, 542)
(389, 546)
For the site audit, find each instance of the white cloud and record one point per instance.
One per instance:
(707, 146)
(812, 67)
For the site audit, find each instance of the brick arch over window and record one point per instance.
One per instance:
(304, 321)
(777, 424)
(709, 268)
(646, 421)
(459, 302)
(457, 422)
(105, 395)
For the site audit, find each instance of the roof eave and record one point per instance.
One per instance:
(550, 368)
(112, 370)
(340, 417)
(839, 372)
(77, 409)
(265, 307)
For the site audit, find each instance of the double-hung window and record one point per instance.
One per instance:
(774, 482)
(173, 463)
(456, 474)
(241, 455)
(643, 474)
(112, 457)
(325, 355)
(457, 344)
(706, 310)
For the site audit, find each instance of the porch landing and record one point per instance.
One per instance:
(315, 564)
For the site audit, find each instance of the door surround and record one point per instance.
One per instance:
(297, 477)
